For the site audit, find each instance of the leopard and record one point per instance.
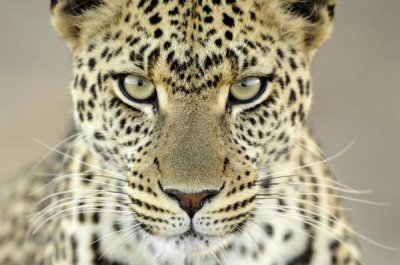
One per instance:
(190, 144)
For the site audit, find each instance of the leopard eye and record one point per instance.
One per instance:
(247, 89)
(137, 88)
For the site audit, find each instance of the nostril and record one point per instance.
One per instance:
(211, 195)
(191, 202)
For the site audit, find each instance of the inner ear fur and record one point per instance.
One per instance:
(75, 20)
(317, 19)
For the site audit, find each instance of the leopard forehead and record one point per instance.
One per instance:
(186, 47)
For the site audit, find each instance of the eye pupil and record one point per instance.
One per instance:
(140, 82)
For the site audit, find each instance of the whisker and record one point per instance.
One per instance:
(313, 163)
(127, 237)
(305, 184)
(53, 181)
(318, 177)
(50, 151)
(79, 200)
(77, 205)
(80, 161)
(79, 176)
(314, 224)
(72, 211)
(87, 210)
(95, 192)
(314, 204)
(134, 226)
(70, 147)
(333, 196)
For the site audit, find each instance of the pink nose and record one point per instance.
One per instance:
(191, 202)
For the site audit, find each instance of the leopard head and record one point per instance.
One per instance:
(192, 102)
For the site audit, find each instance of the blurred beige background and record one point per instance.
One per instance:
(357, 97)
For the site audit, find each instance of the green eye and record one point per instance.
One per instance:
(137, 88)
(247, 89)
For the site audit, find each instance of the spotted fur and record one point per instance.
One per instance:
(102, 199)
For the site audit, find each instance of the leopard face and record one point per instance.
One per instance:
(192, 150)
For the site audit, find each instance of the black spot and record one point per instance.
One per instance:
(334, 245)
(269, 230)
(253, 16)
(301, 85)
(83, 83)
(167, 44)
(207, 62)
(92, 64)
(74, 250)
(151, 6)
(155, 19)
(228, 20)
(96, 217)
(218, 42)
(207, 9)
(292, 96)
(237, 10)
(99, 136)
(280, 53)
(173, 12)
(228, 35)
(153, 56)
(127, 18)
(293, 64)
(287, 236)
(104, 52)
(158, 33)
(208, 19)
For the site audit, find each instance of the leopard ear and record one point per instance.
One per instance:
(317, 19)
(75, 20)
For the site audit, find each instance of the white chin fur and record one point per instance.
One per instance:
(189, 245)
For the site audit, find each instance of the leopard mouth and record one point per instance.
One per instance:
(190, 243)
(193, 243)
(194, 235)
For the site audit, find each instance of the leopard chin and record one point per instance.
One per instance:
(191, 244)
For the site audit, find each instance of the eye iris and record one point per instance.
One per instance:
(246, 89)
(137, 88)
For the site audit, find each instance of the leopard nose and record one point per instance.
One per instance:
(191, 202)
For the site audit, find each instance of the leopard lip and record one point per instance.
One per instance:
(192, 233)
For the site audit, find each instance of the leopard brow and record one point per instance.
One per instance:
(259, 71)
(128, 69)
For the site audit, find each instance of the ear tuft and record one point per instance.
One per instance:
(317, 17)
(53, 3)
(308, 10)
(76, 7)
(311, 10)
(69, 15)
